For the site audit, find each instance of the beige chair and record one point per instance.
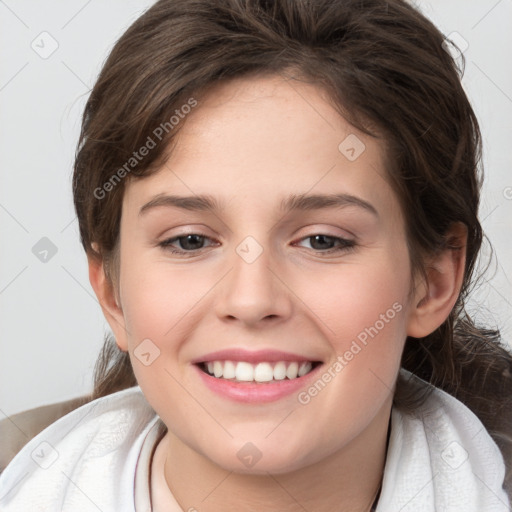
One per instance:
(17, 430)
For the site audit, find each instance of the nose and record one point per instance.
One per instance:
(254, 291)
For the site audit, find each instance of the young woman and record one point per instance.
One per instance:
(278, 202)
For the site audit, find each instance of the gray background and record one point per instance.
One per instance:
(51, 326)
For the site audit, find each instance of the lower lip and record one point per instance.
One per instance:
(253, 392)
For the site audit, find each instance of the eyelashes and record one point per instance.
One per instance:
(192, 239)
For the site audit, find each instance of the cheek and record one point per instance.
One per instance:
(156, 298)
(363, 312)
(354, 298)
(157, 303)
(162, 306)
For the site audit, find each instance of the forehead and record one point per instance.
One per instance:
(263, 138)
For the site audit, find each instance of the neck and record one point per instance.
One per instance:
(347, 480)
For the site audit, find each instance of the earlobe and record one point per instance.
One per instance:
(108, 301)
(435, 299)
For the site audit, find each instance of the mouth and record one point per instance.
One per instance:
(263, 372)
(253, 377)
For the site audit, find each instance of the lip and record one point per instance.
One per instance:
(252, 356)
(254, 392)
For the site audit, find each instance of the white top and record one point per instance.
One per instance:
(98, 457)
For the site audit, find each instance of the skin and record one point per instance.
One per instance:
(251, 143)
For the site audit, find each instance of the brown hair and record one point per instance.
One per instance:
(386, 70)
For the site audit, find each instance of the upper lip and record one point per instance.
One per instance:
(252, 356)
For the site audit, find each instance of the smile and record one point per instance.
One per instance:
(256, 376)
(243, 371)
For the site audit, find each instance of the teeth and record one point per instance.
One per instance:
(244, 371)
(229, 371)
(280, 371)
(261, 372)
(304, 368)
(292, 370)
(217, 369)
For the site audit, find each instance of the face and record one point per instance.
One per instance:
(266, 283)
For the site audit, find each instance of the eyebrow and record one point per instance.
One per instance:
(294, 202)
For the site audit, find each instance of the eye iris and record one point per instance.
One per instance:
(197, 238)
(322, 238)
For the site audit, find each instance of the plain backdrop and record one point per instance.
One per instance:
(51, 326)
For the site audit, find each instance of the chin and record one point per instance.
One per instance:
(250, 459)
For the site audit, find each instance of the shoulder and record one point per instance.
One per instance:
(441, 457)
(18, 429)
(71, 462)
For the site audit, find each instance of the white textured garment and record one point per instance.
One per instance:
(98, 457)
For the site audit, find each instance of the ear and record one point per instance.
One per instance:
(109, 303)
(434, 300)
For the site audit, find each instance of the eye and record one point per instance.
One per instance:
(320, 241)
(191, 243)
